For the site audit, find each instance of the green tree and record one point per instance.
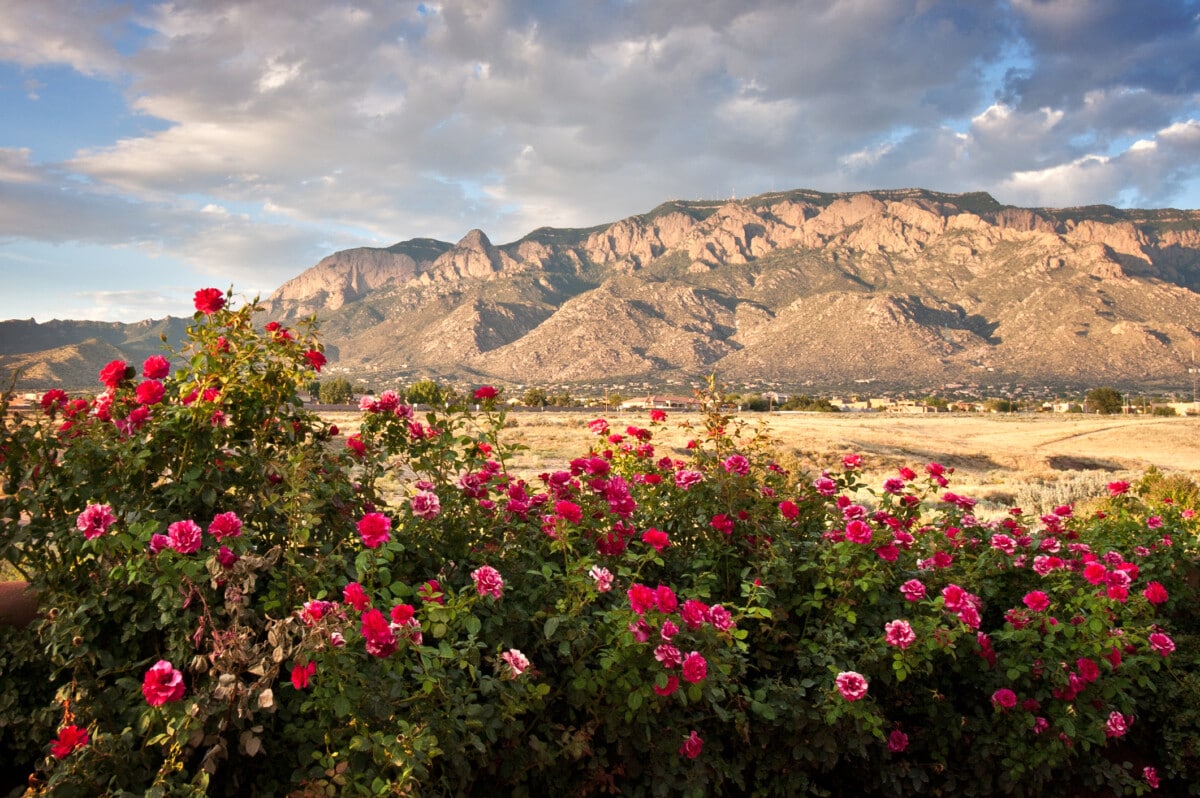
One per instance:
(428, 392)
(336, 391)
(1103, 400)
(534, 397)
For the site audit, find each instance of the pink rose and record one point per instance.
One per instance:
(162, 684)
(692, 745)
(1161, 643)
(897, 741)
(354, 595)
(602, 577)
(488, 581)
(655, 538)
(225, 525)
(1037, 601)
(851, 685)
(1004, 698)
(899, 633)
(301, 674)
(374, 529)
(1155, 593)
(695, 667)
(95, 520)
(184, 536)
(425, 504)
(913, 590)
(517, 662)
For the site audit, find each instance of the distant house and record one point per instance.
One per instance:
(661, 403)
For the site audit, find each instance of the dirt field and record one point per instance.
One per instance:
(1033, 460)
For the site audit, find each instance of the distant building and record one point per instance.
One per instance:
(661, 403)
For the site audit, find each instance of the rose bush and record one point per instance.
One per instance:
(237, 600)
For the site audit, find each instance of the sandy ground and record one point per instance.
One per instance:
(1027, 459)
(974, 444)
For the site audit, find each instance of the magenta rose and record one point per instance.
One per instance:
(156, 367)
(95, 520)
(69, 738)
(225, 525)
(692, 745)
(488, 581)
(695, 667)
(162, 684)
(374, 529)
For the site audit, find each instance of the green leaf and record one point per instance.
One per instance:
(551, 626)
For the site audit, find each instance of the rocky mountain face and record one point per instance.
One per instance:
(906, 288)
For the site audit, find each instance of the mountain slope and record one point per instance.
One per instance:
(906, 287)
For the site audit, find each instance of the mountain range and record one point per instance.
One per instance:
(905, 288)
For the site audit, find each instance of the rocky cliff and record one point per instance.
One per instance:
(906, 287)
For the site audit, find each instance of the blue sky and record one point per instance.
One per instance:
(149, 149)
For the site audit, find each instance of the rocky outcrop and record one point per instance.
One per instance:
(904, 285)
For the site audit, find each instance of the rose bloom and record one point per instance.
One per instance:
(156, 367)
(568, 511)
(69, 738)
(184, 536)
(658, 415)
(158, 542)
(1004, 698)
(162, 684)
(851, 685)
(603, 578)
(517, 662)
(1095, 572)
(488, 581)
(95, 520)
(825, 486)
(113, 374)
(672, 684)
(1037, 601)
(668, 655)
(655, 538)
(788, 509)
(354, 595)
(695, 613)
(1151, 776)
(374, 529)
(897, 741)
(482, 393)
(685, 478)
(664, 598)
(377, 633)
(315, 359)
(226, 558)
(598, 426)
(913, 590)
(721, 618)
(641, 598)
(858, 532)
(225, 525)
(209, 300)
(1117, 725)
(425, 504)
(301, 674)
(692, 745)
(899, 633)
(737, 464)
(1155, 593)
(695, 667)
(1161, 643)
(1117, 488)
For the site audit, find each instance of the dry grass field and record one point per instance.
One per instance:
(1035, 461)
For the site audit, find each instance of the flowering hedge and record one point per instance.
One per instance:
(233, 603)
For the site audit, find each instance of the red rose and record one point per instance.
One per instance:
(150, 392)
(209, 300)
(485, 392)
(69, 738)
(114, 373)
(315, 359)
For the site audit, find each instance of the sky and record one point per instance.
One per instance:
(148, 149)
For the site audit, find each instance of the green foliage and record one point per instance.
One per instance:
(429, 393)
(637, 622)
(336, 391)
(1103, 400)
(534, 397)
